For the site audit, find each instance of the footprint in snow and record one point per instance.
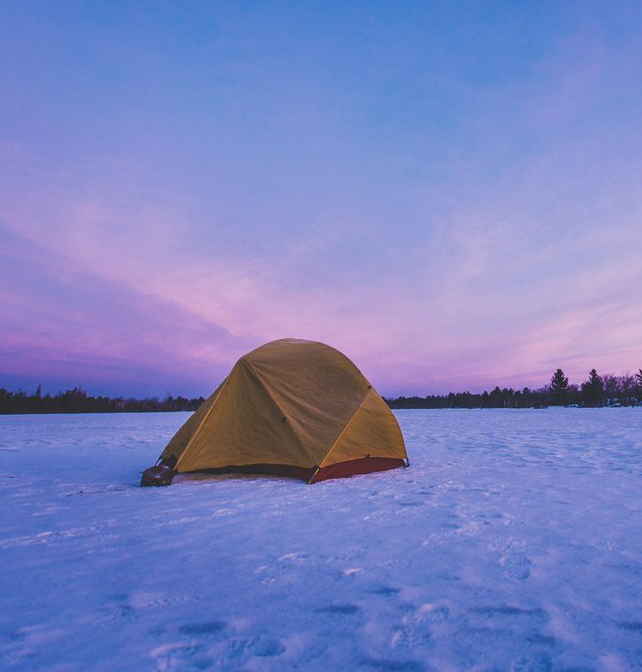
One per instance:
(262, 647)
(294, 557)
(415, 630)
(386, 591)
(539, 638)
(538, 663)
(428, 613)
(181, 656)
(205, 628)
(116, 607)
(516, 566)
(408, 638)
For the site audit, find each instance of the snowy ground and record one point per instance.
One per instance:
(514, 542)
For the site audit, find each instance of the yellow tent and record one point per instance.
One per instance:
(291, 407)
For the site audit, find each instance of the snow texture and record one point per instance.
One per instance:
(513, 542)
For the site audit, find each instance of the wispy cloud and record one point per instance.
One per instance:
(453, 208)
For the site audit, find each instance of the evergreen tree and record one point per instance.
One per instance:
(638, 384)
(559, 388)
(593, 390)
(496, 400)
(485, 400)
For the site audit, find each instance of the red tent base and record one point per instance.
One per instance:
(364, 465)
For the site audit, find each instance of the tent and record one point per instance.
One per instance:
(291, 407)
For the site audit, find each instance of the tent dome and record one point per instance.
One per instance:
(291, 407)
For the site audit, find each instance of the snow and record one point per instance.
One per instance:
(513, 542)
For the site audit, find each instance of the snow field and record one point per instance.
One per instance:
(513, 542)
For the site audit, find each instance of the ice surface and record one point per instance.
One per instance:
(514, 542)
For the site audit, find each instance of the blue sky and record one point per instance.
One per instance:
(449, 193)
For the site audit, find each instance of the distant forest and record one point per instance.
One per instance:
(78, 401)
(606, 390)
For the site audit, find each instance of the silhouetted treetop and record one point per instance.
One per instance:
(593, 390)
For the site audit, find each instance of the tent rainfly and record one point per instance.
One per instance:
(291, 407)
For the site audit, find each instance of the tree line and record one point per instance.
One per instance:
(605, 390)
(78, 401)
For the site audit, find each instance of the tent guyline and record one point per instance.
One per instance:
(291, 407)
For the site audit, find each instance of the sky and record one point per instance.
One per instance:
(450, 193)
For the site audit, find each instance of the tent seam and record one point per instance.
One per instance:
(345, 427)
(258, 378)
(200, 425)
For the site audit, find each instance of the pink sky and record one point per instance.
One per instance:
(449, 196)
